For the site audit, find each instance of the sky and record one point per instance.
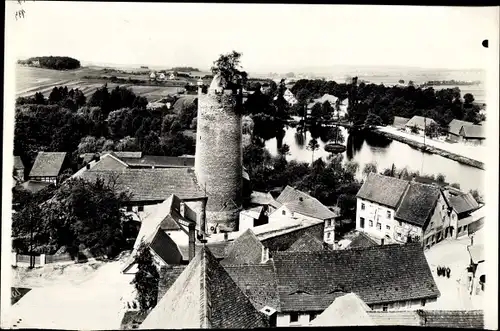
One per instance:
(272, 37)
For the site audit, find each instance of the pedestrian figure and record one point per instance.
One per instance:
(448, 272)
(440, 271)
(472, 240)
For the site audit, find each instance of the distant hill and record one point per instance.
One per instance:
(52, 62)
(185, 69)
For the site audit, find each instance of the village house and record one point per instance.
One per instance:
(467, 132)
(466, 214)
(397, 210)
(48, 166)
(342, 112)
(420, 123)
(289, 97)
(205, 296)
(301, 206)
(400, 122)
(152, 76)
(389, 277)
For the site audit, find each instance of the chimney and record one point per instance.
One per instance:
(382, 242)
(265, 254)
(182, 209)
(271, 315)
(192, 247)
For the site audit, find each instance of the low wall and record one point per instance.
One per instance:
(434, 150)
(43, 259)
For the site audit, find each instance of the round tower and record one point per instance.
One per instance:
(218, 161)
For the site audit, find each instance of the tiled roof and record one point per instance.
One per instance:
(219, 249)
(347, 310)
(246, 249)
(400, 122)
(204, 296)
(362, 240)
(377, 274)
(395, 318)
(463, 319)
(384, 190)
(160, 161)
(165, 248)
(306, 243)
(18, 163)
(461, 202)
(108, 162)
(474, 131)
(47, 164)
(302, 203)
(168, 276)
(258, 282)
(136, 155)
(418, 203)
(420, 122)
(153, 184)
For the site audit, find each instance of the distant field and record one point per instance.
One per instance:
(32, 80)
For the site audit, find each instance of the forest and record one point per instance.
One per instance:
(52, 62)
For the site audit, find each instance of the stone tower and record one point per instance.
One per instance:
(218, 162)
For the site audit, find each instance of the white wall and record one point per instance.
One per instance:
(246, 222)
(329, 233)
(284, 320)
(375, 213)
(402, 305)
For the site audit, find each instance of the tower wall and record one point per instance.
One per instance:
(218, 162)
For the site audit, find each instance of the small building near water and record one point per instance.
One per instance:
(420, 123)
(462, 131)
(400, 122)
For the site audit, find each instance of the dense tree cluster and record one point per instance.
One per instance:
(146, 279)
(79, 215)
(53, 62)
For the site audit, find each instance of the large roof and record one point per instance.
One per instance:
(377, 274)
(160, 161)
(326, 97)
(456, 125)
(347, 310)
(400, 122)
(362, 240)
(306, 243)
(152, 184)
(470, 129)
(420, 122)
(204, 296)
(302, 203)
(48, 164)
(461, 202)
(384, 190)
(18, 163)
(246, 249)
(418, 203)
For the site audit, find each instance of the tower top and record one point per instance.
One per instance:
(217, 84)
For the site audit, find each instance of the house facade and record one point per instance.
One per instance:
(48, 166)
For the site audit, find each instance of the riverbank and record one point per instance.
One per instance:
(428, 147)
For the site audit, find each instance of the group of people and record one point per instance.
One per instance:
(443, 271)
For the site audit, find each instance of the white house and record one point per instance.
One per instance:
(298, 205)
(162, 76)
(152, 76)
(397, 210)
(466, 214)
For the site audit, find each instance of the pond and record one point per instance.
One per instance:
(364, 149)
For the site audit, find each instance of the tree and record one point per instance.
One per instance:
(284, 150)
(227, 67)
(401, 81)
(468, 98)
(432, 130)
(414, 129)
(313, 146)
(352, 167)
(372, 120)
(327, 111)
(475, 194)
(146, 279)
(370, 167)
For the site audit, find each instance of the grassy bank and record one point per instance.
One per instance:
(434, 150)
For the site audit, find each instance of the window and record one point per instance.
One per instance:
(423, 303)
(370, 223)
(327, 223)
(361, 222)
(328, 235)
(388, 214)
(362, 206)
(129, 208)
(379, 226)
(387, 227)
(283, 212)
(140, 208)
(385, 307)
(294, 317)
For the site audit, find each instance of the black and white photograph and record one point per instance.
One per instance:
(210, 165)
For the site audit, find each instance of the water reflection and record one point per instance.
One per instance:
(384, 152)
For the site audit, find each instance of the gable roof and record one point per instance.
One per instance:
(420, 122)
(254, 212)
(455, 126)
(108, 162)
(400, 122)
(168, 276)
(384, 190)
(476, 253)
(165, 248)
(204, 296)
(120, 154)
(347, 310)
(261, 198)
(306, 243)
(246, 249)
(302, 203)
(461, 202)
(418, 203)
(376, 274)
(160, 161)
(152, 184)
(18, 163)
(48, 164)
(258, 282)
(362, 240)
(474, 131)
(325, 97)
